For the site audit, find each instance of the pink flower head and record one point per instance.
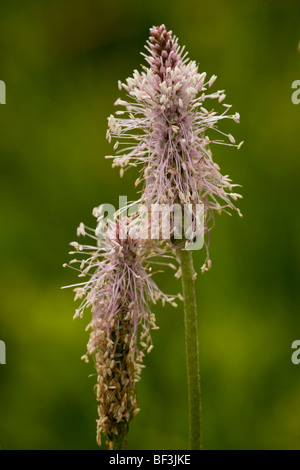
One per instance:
(167, 127)
(119, 290)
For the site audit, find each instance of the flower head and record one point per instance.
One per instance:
(166, 128)
(119, 291)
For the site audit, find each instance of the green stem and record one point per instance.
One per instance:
(192, 356)
(118, 442)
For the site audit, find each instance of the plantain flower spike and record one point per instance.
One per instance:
(166, 126)
(119, 291)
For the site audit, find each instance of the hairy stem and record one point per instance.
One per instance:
(192, 356)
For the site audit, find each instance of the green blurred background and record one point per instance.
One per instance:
(61, 61)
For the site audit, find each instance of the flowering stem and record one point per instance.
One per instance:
(192, 356)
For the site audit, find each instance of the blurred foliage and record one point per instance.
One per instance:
(61, 61)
